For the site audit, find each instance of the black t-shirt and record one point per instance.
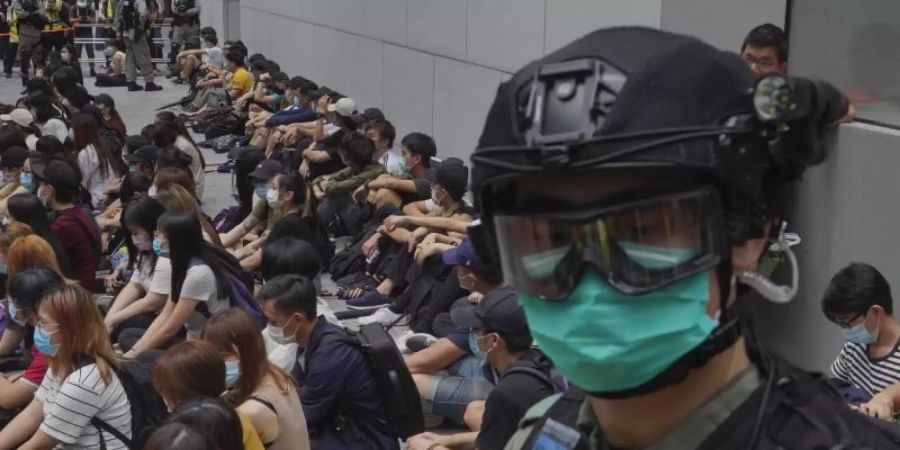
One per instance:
(423, 189)
(513, 395)
(329, 145)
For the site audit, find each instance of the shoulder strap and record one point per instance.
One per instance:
(558, 428)
(533, 371)
(264, 402)
(102, 426)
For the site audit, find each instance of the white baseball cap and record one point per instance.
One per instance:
(19, 116)
(345, 107)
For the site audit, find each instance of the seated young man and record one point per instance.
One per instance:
(451, 215)
(500, 337)
(322, 156)
(200, 59)
(337, 378)
(417, 150)
(336, 210)
(296, 120)
(858, 299)
(382, 134)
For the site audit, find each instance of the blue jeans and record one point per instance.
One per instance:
(449, 394)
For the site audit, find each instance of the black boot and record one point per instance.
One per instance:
(133, 86)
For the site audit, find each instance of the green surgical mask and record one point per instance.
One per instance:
(605, 341)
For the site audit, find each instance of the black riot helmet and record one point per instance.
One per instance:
(648, 102)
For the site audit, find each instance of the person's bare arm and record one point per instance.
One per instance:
(437, 356)
(416, 209)
(460, 225)
(316, 156)
(10, 341)
(15, 393)
(392, 183)
(22, 426)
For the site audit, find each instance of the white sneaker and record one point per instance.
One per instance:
(383, 316)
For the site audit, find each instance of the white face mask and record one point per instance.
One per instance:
(277, 335)
(272, 199)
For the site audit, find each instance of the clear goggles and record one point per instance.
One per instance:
(637, 247)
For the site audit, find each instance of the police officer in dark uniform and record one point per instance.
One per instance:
(628, 184)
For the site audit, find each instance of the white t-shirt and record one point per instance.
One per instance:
(93, 180)
(56, 128)
(197, 169)
(392, 161)
(214, 57)
(158, 280)
(200, 284)
(69, 406)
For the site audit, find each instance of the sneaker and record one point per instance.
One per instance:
(383, 316)
(226, 167)
(134, 87)
(370, 300)
(149, 87)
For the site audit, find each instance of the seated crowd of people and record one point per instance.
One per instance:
(111, 265)
(134, 320)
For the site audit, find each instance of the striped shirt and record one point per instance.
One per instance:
(872, 375)
(69, 406)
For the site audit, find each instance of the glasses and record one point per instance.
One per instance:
(759, 63)
(638, 247)
(46, 327)
(847, 323)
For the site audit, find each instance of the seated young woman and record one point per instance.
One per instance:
(200, 274)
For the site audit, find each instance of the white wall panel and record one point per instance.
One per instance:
(408, 89)
(385, 20)
(463, 93)
(568, 20)
(505, 34)
(723, 23)
(437, 26)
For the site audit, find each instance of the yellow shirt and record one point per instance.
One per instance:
(250, 436)
(241, 80)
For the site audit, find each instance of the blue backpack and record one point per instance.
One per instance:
(241, 297)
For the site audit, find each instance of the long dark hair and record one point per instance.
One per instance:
(134, 184)
(11, 135)
(185, 235)
(43, 107)
(86, 133)
(214, 418)
(52, 148)
(27, 208)
(142, 213)
(169, 118)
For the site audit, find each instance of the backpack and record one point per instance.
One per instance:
(542, 371)
(148, 411)
(401, 397)
(228, 218)
(241, 297)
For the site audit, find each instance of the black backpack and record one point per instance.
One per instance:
(401, 397)
(148, 411)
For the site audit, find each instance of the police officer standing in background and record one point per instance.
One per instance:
(627, 182)
(185, 28)
(132, 22)
(30, 20)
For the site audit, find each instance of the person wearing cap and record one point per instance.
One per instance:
(11, 162)
(22, 119)
(417, 151)
(336, 211)
(322, 156)
(57, 186)
(142, 160)
(626, 232)
(262, 217)
(499, 336)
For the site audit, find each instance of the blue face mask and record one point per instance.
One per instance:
(232, 372)
(42, 342)
(157, 248)
(12, 312)
(26, 179)
(262, 190)
(860, 335)
(606, 341)
(473, 346)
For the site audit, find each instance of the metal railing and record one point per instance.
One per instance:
(99, 43)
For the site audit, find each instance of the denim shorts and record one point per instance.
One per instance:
(449, 393)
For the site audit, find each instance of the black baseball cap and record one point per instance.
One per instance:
(145, 153)
(14, 157)
(267, 169)
(369, 115)
(453, 175)
(60, 175)
(38, 163)
(499, 310)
